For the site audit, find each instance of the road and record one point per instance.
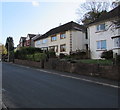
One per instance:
(32, 88)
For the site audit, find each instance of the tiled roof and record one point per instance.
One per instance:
(37, 36)
(23, 38)
(31, 35)
(107, 16)
(68, 26)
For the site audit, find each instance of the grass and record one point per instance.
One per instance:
(100, 61)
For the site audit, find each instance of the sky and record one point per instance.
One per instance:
(20, 18)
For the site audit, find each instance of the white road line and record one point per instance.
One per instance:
(3, 90)
(87, 80)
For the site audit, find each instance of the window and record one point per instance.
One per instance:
(100, 27)
(62, 36)
(101, 45)
(37, 42)
(62, 48)
(28, 42)
(44, 41)
(117, 42)
(54, 48)
(53, 38)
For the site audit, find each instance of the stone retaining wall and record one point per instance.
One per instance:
(110, 72)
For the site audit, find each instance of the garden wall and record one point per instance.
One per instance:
(110, 72)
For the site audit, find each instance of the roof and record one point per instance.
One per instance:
(23, 38)
(36, 37)
(107, 16)
(65, 27)
(115, 37)
(31, 35)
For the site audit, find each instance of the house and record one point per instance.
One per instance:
(22, 41)
(66, 38)
(41, 41)
(29, 41)
(104, 34)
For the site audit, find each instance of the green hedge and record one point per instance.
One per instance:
(26, 52)
(39, 56)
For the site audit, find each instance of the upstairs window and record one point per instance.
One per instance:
(37, 42)
(101, 45)
(54, 38)
(44, 41)
(100, 27)
(62, 36)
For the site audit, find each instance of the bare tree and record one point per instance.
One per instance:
(115, 3)
(90, 11)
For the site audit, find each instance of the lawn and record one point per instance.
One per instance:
(100, 61)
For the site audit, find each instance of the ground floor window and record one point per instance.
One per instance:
(117, 42)
(54, 48)
(101, 45)
(63, 48)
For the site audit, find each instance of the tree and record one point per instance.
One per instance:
(10, 48)
(115, 3)
(9, 44)
(4, 50)
(92, 10)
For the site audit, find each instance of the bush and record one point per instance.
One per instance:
(30, 57)
(51, 54)
(39, 56)
(25, 51)
(62, 55)
(80, 54)
(118, 59)
(107, 54)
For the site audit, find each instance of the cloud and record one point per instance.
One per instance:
(35, 3)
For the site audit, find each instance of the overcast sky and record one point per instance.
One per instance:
(20, 18)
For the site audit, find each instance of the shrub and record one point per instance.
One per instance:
(107, 54)
(79, 54)
(51, 54)
(118, 59)
(30, 57)
(39, 56)
(62, 55)
(25, 51)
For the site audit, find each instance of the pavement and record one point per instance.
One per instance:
(25, 87)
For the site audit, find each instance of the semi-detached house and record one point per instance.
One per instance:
(67, 38)
(104, 34)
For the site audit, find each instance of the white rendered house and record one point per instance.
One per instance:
(104, 34)
(65, 39)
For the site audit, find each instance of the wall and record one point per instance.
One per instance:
(110, 72)
(78, 40)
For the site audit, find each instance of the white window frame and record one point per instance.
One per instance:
(101, 45)
(117, 42)
(100, 28)
(44, 41)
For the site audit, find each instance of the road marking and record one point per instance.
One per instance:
(3, 90)
(87, 80)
